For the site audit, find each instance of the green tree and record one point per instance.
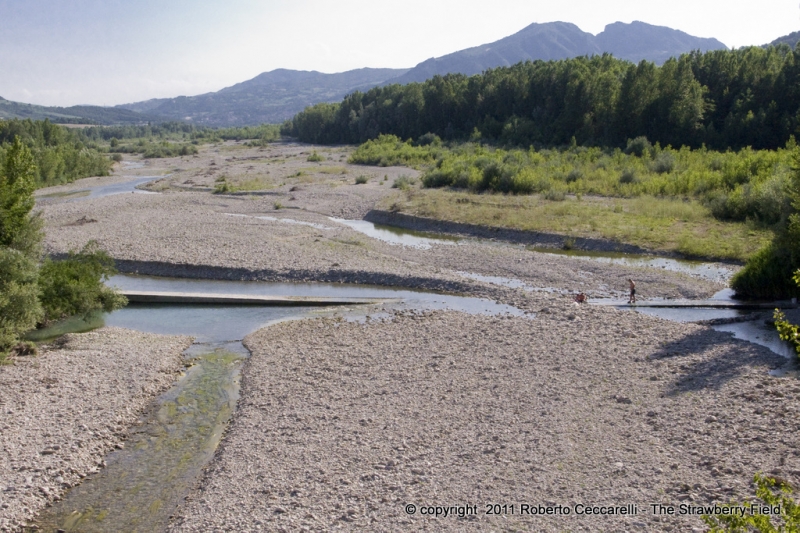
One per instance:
(20, 235)
(29, 293)
(17, 183)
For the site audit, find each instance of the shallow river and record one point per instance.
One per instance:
(142, 484)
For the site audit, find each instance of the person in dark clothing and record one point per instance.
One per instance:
(632, 299)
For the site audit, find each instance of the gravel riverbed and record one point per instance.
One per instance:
(341, 424)
(63, 410)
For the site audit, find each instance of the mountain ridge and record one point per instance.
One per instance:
(563, 40)
(271, 96)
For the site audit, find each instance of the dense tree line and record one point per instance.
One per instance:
(723, 99)
(59, 154)
(180, 131)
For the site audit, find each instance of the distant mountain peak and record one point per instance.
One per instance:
(632, 41)
(792, 39)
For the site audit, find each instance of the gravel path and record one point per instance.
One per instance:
(62, 411)
(341, 425)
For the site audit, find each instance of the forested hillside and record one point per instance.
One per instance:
(723, 99)
(78, 114)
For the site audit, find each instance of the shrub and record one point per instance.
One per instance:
(787, 331)
(767, 274)
(639, 146)
(403, 183)
(361, 180)
(629, 176)
(223, 187)
(315, 157)
(429, 138)
(771, 491)
(573, 176)
(664, 163)
(555, 195)
(74, 286)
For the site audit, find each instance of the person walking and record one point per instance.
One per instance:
(632, 299)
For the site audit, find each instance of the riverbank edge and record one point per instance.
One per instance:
(517, 236)
(76, 426)
(356, 277)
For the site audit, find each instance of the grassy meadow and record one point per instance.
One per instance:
(658, 224)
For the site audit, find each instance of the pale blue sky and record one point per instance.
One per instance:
(66, 52)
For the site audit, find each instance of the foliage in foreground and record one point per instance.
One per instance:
(772, 492)
(30, 293)
(20, 235)
(788, 331)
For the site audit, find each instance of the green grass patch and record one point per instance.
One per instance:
(327, 170)
(659, 224)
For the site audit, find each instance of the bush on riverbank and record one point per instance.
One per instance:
(788, 331)
(75, 286)
(769, 274)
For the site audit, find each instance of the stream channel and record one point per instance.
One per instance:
(143, 483)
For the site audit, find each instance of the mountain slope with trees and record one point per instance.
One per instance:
(79, 114)
(562, 40)
(792, 39)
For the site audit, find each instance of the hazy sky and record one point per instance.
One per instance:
(106, 52)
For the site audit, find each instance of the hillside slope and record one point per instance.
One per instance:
(269, 97)
(562, 40)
